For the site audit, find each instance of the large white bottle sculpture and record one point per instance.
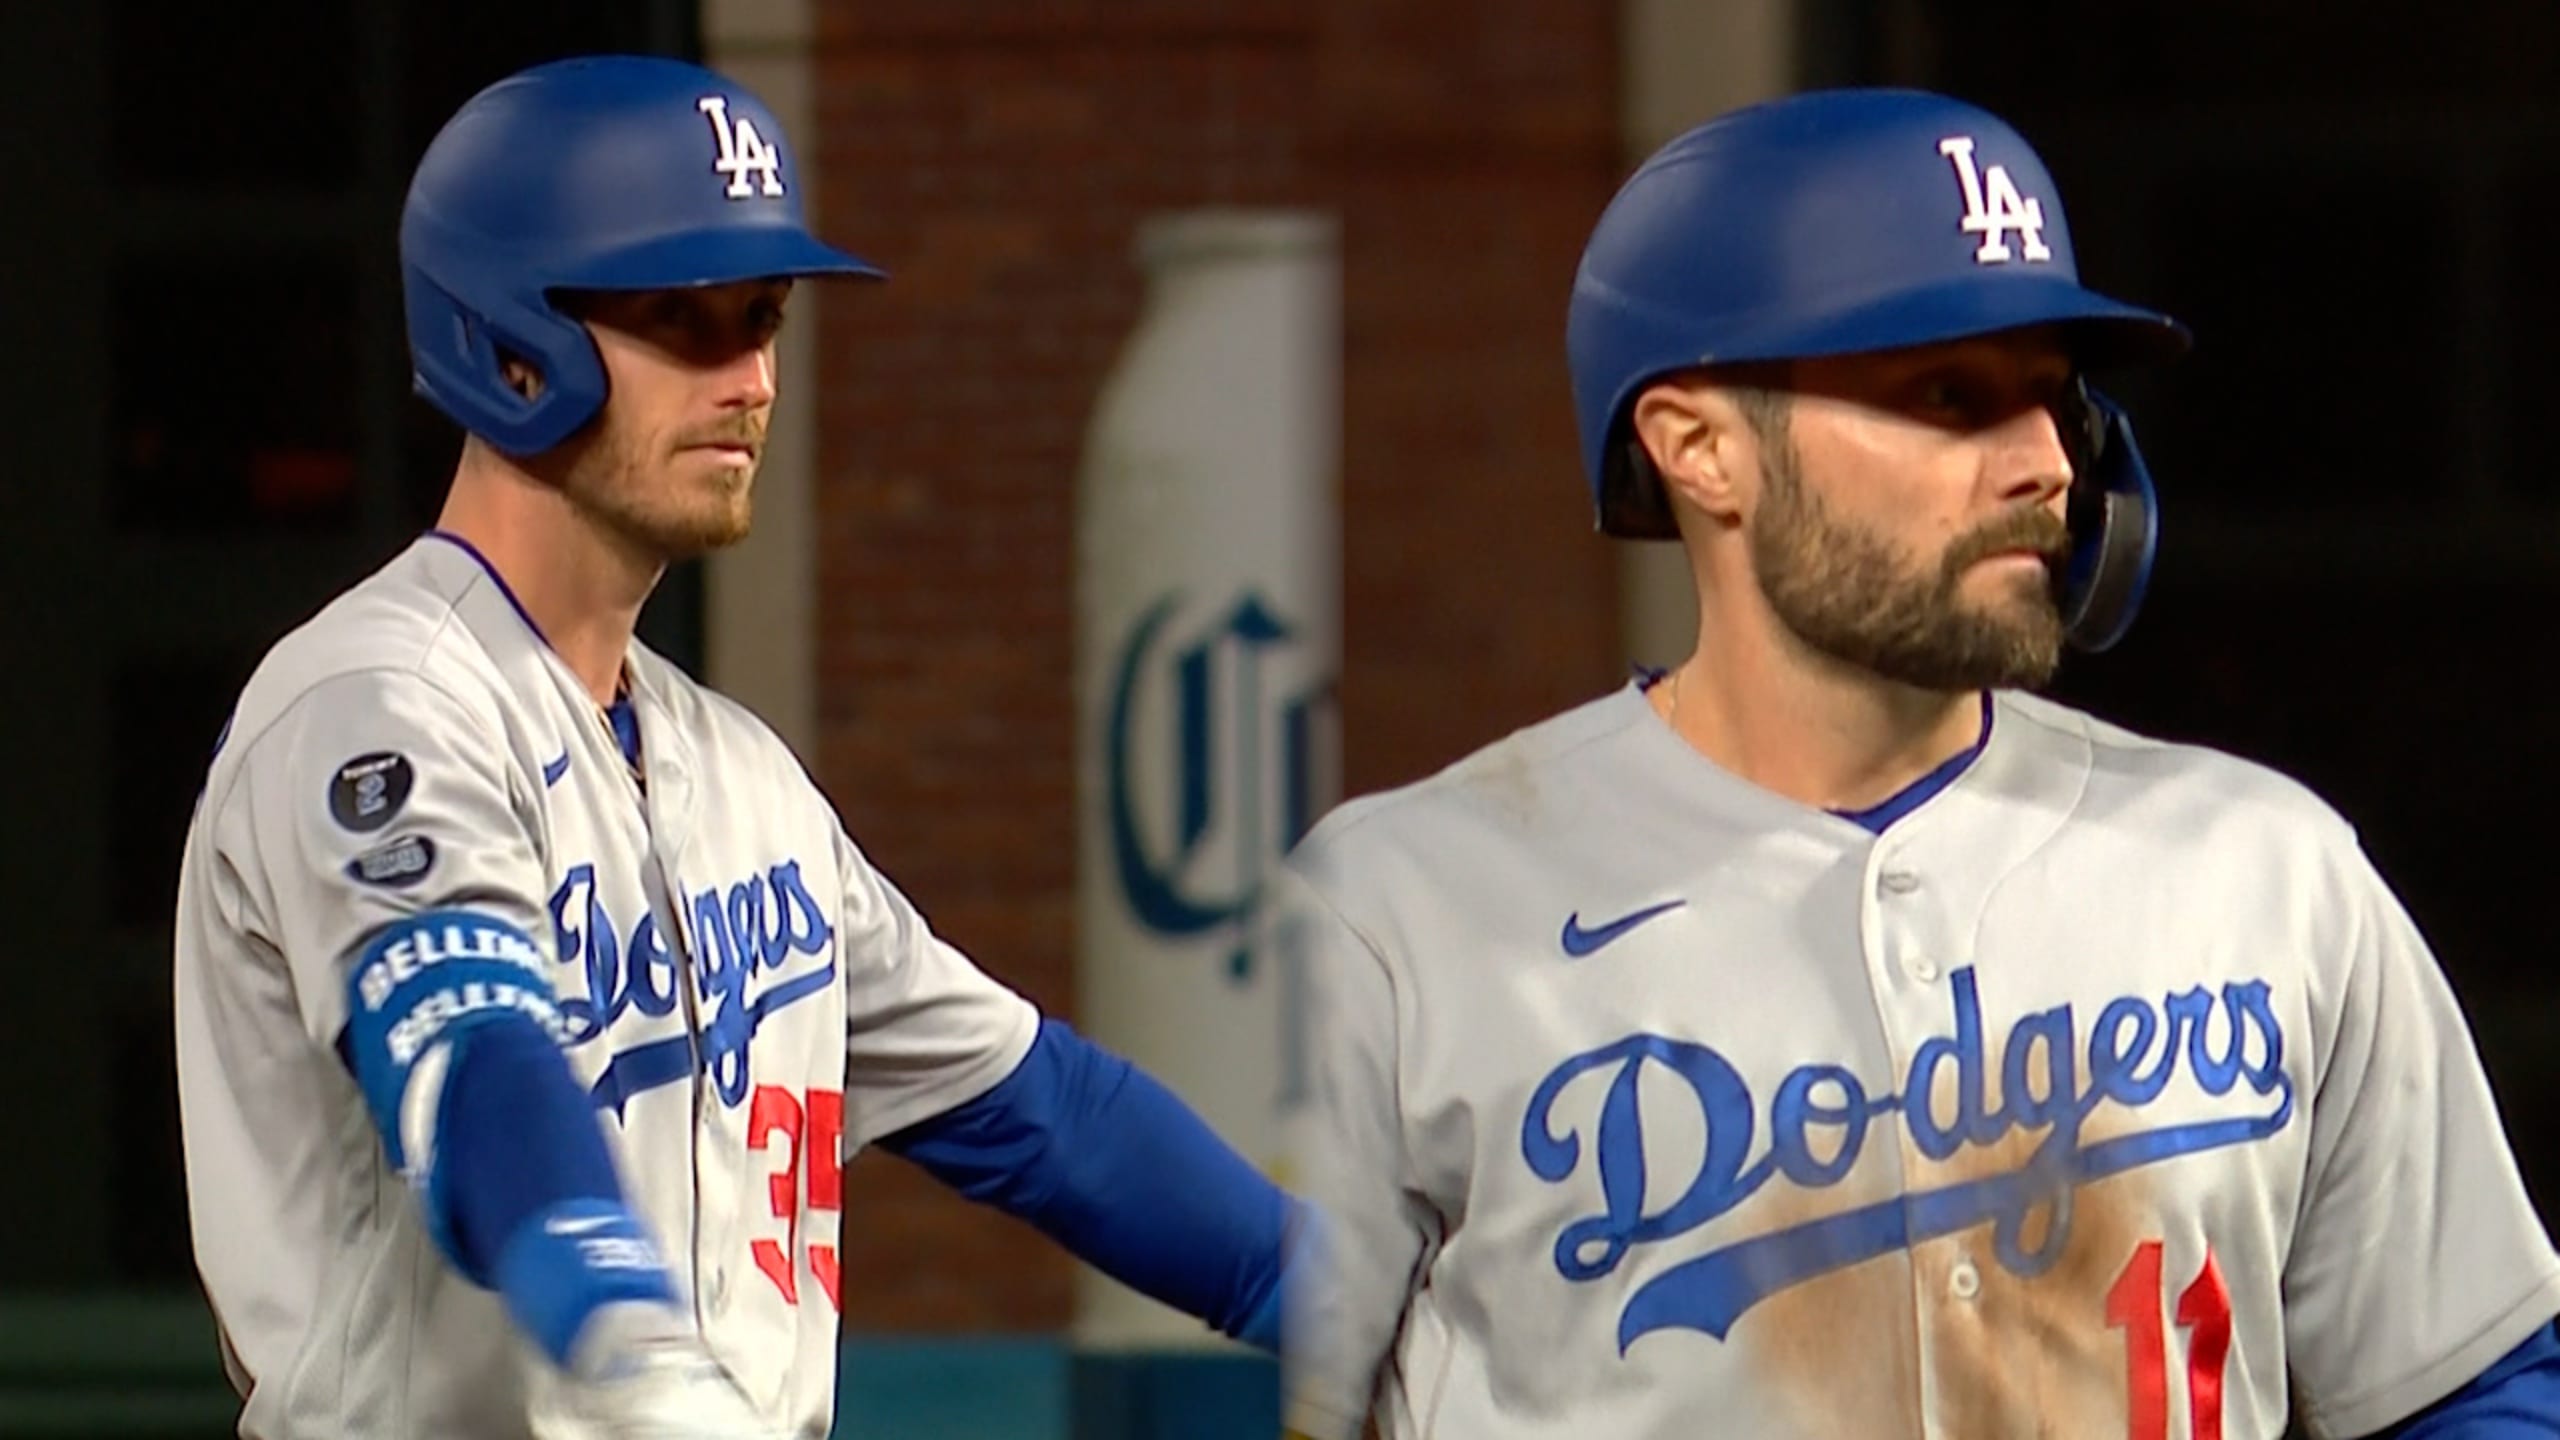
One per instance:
(1208, 636)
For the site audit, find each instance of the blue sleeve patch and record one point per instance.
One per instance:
(426, 979)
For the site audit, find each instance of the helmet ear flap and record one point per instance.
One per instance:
(459, 355)
(2114, 516)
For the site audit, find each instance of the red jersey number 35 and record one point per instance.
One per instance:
(811, 1133)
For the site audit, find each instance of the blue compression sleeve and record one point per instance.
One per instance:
(1100, 1157)
(516, 1137)
(2516, 1399)
(518, 1189)
(529, 1192)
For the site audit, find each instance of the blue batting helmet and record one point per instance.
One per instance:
(1841, 221)
(615, 172)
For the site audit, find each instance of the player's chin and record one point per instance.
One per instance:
(2026, 616)
(722, 500)
(716, 524)
(727, 527)
(2007, 591)
(2013, 640)
(2025, 651)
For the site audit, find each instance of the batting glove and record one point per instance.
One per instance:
(641, 1373)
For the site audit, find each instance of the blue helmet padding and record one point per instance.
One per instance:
(1825, 223)
(596, 173)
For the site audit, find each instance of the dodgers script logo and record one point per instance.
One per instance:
(2050, 1083)
(1228, 740)
(746, 934)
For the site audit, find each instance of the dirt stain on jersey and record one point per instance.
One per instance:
(1942, 1331)
(2033, 1356)
(1840, 1355)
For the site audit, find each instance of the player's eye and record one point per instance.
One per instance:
(670, 317)
(1949, 397)
(1961, 398)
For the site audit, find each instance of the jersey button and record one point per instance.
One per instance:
(720, 1285)
(1923, 969)
(1898, 882)
(1964, 1280)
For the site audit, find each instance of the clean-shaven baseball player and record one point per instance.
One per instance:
(530, 995)
(1828, 1037)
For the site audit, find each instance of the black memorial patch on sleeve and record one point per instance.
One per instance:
(370, 789)
(401, 861)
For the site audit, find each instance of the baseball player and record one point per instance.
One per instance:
(529, 995)
(1828, 1037)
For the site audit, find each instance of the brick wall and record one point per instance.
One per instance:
(995, 157)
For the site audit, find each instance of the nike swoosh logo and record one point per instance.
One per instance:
(579, 1225)
(1579, 942)
(553, 770)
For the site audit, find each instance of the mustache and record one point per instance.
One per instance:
(2036, 530)
(744, 430)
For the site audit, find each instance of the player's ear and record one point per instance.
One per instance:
(520, 375)
(1697, 438)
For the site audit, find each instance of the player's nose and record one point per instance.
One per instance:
(748, 381)
(2029, 465)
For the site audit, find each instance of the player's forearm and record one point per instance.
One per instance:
(1102, 1158)
(477, 1106)
(529, 1192)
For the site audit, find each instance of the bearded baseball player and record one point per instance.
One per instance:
(530, 996)
(1828, 1037)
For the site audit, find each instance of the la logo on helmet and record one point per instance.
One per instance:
(743, 152)
(2005, 211)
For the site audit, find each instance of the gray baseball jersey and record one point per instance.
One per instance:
(747, 999)
(2109, 1092)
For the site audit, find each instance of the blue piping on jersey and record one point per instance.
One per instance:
(467, 548)
(1919, 792)
(1911, 797)
(626, 724)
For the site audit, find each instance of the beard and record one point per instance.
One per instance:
(652, 498)
(1849, 593)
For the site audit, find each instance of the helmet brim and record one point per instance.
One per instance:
(2102, 333)
(713, 257)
